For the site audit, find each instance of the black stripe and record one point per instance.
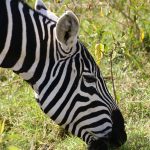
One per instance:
(78, 98)
(102, 131)
(90, 59)
(15, 46)
(85, 60)
(84, 135)
(52, 61)
(3, 24)
(31, 42)
(60, 92)
(90, 89)
(107, 99)
(91, 115)
(40, 7)
(50, 89)
(88, 139)
(43, 50)
(93, 125)
(70, 93)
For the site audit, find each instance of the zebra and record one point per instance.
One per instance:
(46, 52)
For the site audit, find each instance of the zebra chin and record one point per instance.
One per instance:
(116, 138)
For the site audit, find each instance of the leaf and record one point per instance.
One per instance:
(101, 12)
(11, 147)
(142, 35)
(2, 126)
(99, 50)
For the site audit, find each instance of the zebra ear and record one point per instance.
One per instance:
(67, 28)
(39, 5)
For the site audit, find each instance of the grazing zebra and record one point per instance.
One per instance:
(46, 52)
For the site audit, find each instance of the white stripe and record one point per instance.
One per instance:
(20, 62)
(92, 120)
(30, 73)
(9, 32)
(82, 114)
(55, 91)
(98, 128)
(42, 78)
(54, 41)
(41, 22)
(86, 137)
(77, 105)
(90, 63)
(107, 99)
(60, 101)
(46, 21)
(50, 81)
(99, 135)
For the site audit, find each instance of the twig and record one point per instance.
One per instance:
(112, 76)
(116, 21)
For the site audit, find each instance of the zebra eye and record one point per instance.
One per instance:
(90, 78)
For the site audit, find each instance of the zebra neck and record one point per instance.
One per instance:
(24, 37)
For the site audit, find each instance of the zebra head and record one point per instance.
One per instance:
(46, 52)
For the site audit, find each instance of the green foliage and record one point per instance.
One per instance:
(122, 27)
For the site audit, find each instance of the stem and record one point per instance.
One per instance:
(112, 76)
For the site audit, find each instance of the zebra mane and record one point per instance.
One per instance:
(40, 14)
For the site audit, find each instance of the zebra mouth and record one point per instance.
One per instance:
(106, 144)
(115, 138)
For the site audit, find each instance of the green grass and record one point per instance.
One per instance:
(27, 128)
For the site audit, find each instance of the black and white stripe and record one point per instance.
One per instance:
(69, 86)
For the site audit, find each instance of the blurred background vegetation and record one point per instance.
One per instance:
(117, 33)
